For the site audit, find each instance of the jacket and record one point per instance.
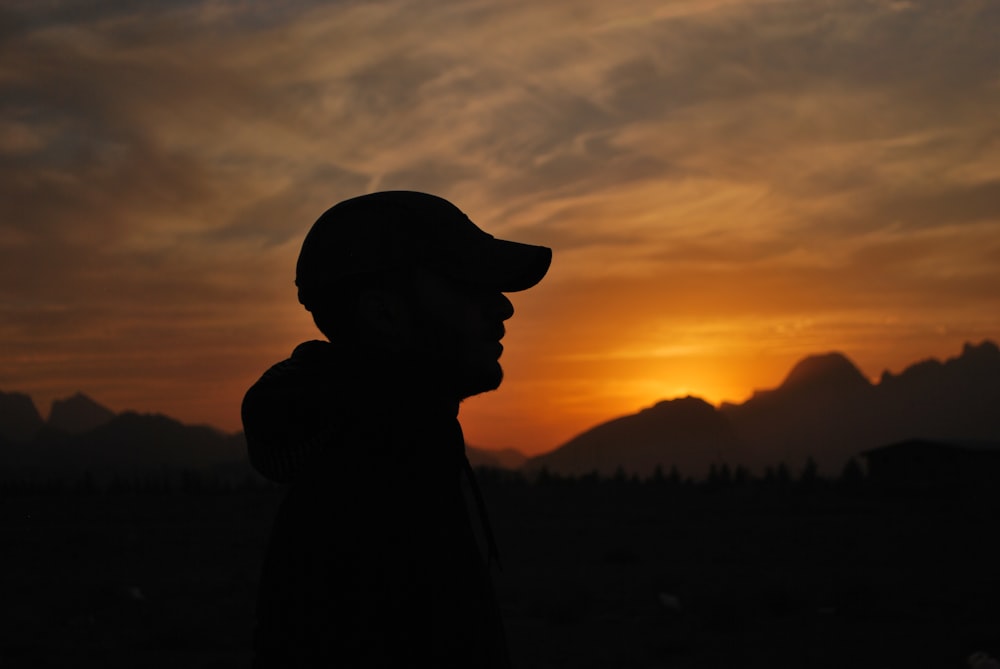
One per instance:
(373, 559)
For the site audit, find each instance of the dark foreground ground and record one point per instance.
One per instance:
(595, 575)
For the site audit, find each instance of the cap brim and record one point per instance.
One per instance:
(510, 266)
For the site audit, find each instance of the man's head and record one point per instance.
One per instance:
(408, 275)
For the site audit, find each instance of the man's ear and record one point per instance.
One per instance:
(386, 317)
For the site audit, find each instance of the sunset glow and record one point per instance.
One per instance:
(728, 186)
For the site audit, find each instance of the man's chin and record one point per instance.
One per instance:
(484, 382)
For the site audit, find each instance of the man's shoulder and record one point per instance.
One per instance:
(307, 360)
(288, 410)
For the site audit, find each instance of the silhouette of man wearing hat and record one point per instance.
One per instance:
(374, 559)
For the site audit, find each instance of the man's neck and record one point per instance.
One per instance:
(380, 375)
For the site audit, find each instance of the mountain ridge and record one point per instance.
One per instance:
(824, 409)
(78, 414)
(83, 435)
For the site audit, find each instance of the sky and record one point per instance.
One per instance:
(727, 186)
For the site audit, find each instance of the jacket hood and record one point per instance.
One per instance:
(324, 413)
(286, 413)
(322, 403)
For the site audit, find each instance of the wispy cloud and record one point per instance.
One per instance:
(713, 160)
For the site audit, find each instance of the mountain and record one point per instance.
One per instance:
(129, 443)
(929, 397)
(19, 418)
(78, 414)
(831, 373)
(825, 409)
(507, 458)
(83, 436)
(133, 441)
(684, 432)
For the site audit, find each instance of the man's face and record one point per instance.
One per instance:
(457, 330)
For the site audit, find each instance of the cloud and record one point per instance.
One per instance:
(159, 161)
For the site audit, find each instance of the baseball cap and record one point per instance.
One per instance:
(395, 229)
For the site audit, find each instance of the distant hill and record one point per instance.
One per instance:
(691, 430)
(81, 435)
(84, 436)
(78, 414)
(19, 418)
(824, 409)
(132, 441)
(507, 458)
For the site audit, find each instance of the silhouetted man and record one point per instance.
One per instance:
(374, 559)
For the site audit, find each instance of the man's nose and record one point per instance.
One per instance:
(505, 309)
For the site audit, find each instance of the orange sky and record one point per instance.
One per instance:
(727, 186)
